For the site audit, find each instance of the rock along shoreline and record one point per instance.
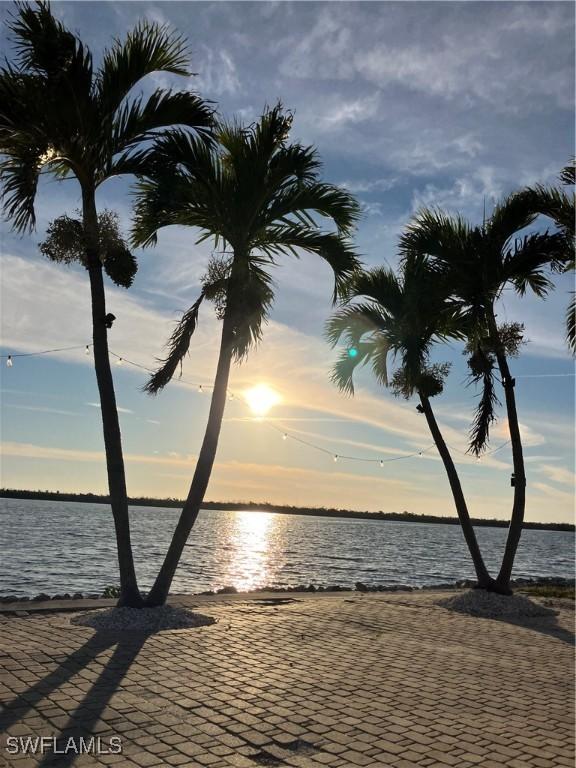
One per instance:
(550, 581)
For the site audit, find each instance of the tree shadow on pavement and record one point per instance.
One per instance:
(545, 624)
(82, 721)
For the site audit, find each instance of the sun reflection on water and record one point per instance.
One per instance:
(252, 550)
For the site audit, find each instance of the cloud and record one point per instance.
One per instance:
(530, 437)
(350, 112)
(553, 493)
(558, 474)
(299, 373)
(466, 195)
(118, 408)
(217, 73)
(40, 409)
(439, 53)
(370, 185)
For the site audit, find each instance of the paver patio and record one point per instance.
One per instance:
(342, 680)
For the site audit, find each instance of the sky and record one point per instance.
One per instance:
(409, 104)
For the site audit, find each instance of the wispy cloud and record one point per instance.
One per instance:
(559, 475)
(40, 409)
(217, 73)
(118, 408)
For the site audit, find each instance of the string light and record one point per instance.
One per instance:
(202, 388)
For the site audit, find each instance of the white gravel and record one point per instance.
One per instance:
(489, 605)
(142, 619)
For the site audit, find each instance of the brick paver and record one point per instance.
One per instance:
(388, 681)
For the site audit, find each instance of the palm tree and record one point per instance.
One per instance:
(403, 317)
(254, 194)
(480, 262)
(60, 117)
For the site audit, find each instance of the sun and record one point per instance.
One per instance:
(261, 399)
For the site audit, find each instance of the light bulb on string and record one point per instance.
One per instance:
(87, 350)
(284, 436)
(381, 463)
(335, 457)
(119, 361)
(9, 362)
(200, 390)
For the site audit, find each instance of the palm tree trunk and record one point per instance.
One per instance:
(517, 517)
(129, 592)
(159, 592)
(485, 581)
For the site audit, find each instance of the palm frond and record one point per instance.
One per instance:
(571, 325)
(353, 322)
(324, 199)
(381, 285)
(147, 48)
(136, 120)
(178, 346)
(249, 300)
(481, 366)
(555, 204)
(294, 162)
(568, 173)
(431, 232)
(19, 172)
(342, 373)
(45, 47)
(337, 251)
(512, 214)
(525, 265)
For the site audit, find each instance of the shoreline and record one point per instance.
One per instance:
(251, 506)
(561, 582)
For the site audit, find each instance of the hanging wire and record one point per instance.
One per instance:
(486, 453)
(284, 432)
(45, 351)
(286, 435)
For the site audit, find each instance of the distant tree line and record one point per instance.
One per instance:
(281, 509)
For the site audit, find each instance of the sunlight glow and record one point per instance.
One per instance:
(253, 546)
(261, 399)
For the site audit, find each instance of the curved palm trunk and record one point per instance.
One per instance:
(485, 581)
(129, 592)
(519, 503)
(161, 588)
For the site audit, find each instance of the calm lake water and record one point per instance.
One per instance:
(68, 547)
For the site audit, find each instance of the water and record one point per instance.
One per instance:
(56, 547)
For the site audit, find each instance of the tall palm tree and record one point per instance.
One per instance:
(60, 117)
(480, 262)
(255, 195)
(401, 317)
